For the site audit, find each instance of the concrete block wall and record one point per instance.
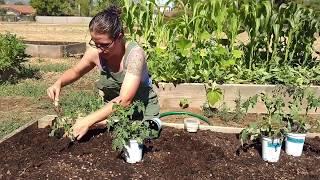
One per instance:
(55, 51)
(62, 20)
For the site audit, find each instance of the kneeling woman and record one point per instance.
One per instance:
(124, 75)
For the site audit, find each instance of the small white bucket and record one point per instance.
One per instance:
(191, 124)
(271, 149)
(133, 152)
(294, 144)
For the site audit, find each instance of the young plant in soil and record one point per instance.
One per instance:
(272, 125)
(224, 113)
(270, 130)
(184, 103)
(214, 95)
(62, 126)
(125, 128)
(296, 121)
(242, 108)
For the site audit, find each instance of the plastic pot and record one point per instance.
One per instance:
(271, 149)
(191, 124)
(294, 143)
(155, 123)
(133, 151)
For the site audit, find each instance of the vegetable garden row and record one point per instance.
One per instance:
(200, 44)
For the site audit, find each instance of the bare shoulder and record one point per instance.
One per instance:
(137, 50)
(91, 56)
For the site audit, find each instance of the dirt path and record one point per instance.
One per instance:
(47, 32)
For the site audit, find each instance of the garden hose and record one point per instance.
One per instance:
(172, 113)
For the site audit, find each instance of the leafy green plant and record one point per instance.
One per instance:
(201, 44)
(241, 108)
(272, 125)
(207, 110)
(62, 126)
(52, 8)
(296, 121)
(224, 113)
(12, 55)
(184, 103)
(214, 94)
(125, 128)
(72, 107)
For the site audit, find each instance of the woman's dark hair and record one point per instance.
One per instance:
(107, 21)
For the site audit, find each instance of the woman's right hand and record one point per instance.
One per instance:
(54, 92)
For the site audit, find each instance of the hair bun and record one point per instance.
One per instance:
(114, 10)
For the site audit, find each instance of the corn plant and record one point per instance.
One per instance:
(193, 47)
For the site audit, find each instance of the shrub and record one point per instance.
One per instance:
(12, 55)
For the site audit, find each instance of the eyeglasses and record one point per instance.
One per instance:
(102, 46)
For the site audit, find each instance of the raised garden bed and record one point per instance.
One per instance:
(51, 49)
(177, 154)
(170, 94)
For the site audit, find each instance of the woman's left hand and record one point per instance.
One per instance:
(80, 128)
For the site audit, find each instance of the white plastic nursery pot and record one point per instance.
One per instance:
(133, 151)
(294, 144)
(155, 124)
(191, 124)
(271, 149)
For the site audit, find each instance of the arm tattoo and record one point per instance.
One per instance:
(136, 61)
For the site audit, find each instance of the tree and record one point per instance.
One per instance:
(2, 2)
(100, 5)
(84, 7)
(52, 7)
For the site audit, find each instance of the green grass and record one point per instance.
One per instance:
(27, 89)
(83, 102)
(8, 126)
(51, 67)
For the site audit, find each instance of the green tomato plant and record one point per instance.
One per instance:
(296, 120)
(125, 128)
(272, 124)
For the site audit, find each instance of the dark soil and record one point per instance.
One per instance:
(177, 154)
